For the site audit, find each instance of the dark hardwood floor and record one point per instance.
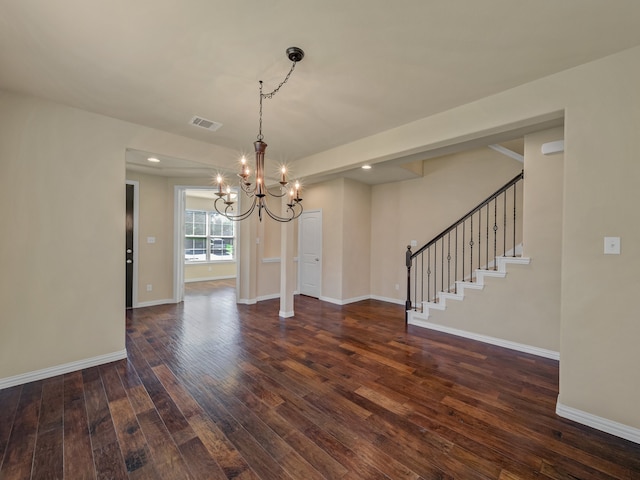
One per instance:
(215, 390)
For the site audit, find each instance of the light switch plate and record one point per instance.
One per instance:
(612, 245)
(151, 239)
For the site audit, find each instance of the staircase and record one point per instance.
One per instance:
(479, 245)
(458, 294)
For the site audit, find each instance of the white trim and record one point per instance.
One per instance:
(179, 205)
(154, 303)
(609, 426)
(520, 347)
(208, 279)
(337, 301)
(61, 369)
(247, 301)
(282, 314)
(507, 152)
(388, 300)
(271, 296)
(271, 260)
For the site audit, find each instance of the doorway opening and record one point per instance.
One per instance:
(206, 243)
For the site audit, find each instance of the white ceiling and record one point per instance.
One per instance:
(370, 65)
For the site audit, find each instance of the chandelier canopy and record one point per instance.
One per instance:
(257, 191)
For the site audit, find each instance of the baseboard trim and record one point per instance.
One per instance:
(155, 303)
(388, 300)
(209, 279)
(609, 426)
(282, 314)
(337, 301)
(61, 369)
(520, 347)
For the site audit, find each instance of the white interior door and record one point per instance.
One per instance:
(310, 252)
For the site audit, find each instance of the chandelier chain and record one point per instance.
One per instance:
(270, 95)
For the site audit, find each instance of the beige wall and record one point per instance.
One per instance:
(328, 197)
(525, 307)
(419, 209)
(356, 241)
(62, 250)
(155, 219)
(346, 237)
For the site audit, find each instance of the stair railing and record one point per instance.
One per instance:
(473, 242)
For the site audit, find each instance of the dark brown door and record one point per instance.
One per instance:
(129, 247)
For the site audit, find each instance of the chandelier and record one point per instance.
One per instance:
(257, 191)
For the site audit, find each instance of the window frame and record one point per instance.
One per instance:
(209, 238)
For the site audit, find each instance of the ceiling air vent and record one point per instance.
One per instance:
(204, 123)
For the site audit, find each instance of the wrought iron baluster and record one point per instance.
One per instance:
(514, 219)
(486, 243)
(442, 265)
(435, 271)
(471, 252)
(495, 233)
(428, 274)
(421, 276)
(464, 227)
(504, 230)
(449, 262)
(479, 238)
(455, 263)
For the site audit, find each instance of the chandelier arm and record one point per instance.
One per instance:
(234, 218)
(290, 208)
(275, 195)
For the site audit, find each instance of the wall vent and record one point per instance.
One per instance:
(204, 123)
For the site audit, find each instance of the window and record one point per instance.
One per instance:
(209, 237)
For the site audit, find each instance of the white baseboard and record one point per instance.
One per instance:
(272, 296)
(337, 301)
(282, 314)
(61, 369)
(599, 423)
(520, 347)
(388, 299)
(247, 301)
(154, 303)
(209, 279)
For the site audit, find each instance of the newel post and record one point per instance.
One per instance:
(407, 304)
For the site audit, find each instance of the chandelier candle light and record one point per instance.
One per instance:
(259, 192)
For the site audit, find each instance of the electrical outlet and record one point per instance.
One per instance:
(612, 245)
(397, 286)
(149, 287)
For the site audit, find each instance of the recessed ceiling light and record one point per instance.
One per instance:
(153, 160)
(366, 167)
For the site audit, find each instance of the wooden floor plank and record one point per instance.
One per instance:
(215, 390)
(78, 454)
(18, 457)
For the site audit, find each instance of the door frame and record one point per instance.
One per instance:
(179, 202)
(318, 211)
(136, 209)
